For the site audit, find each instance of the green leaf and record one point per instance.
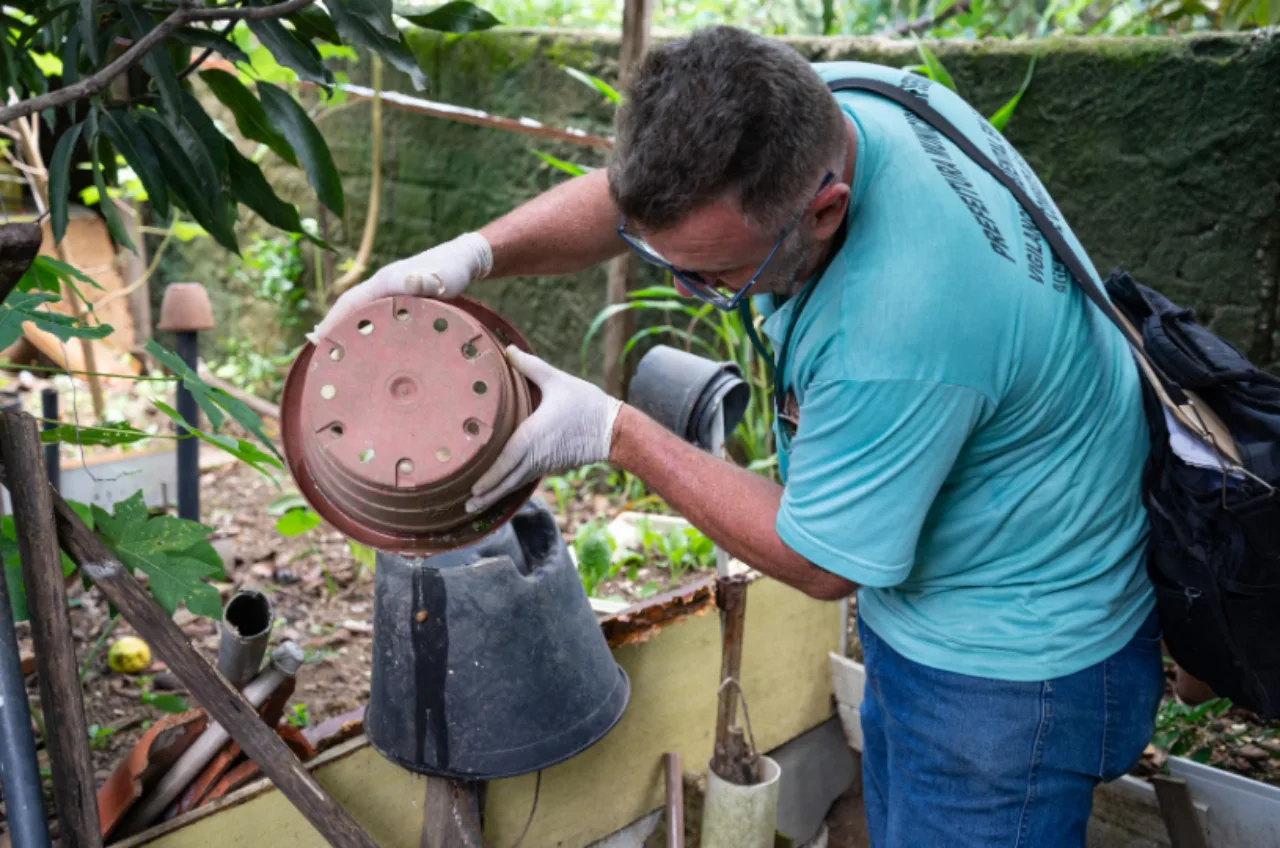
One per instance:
(21, 307)
(89, 28)
(186, 184)
(213, 401)
(610, 93)
(306, 140)
(167, 549)
(110, 434)
(245, 451)
(286, 502)
(617, 308)
(70, 64)
(312, 23)
(1005, 112)
(366, 557)
(157, 63)
(173, 704)
(59, 180)
(457, 17)
(291, 51)
(360, 22)
(251, 188)
(568, 167)
(47, 274)
(1203, 754)
(206, 132)
(205, 552)
(251, 118)
(210, 40)
(130, 143)
(295, 522)
(934, 69)
(108, 206)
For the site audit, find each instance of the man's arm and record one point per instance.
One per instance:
(569, 228)
(736, 508)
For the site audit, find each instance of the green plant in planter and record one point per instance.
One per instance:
(1183, 730)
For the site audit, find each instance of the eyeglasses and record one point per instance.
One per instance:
(697, 284)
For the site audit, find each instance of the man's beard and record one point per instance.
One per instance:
(782, 274)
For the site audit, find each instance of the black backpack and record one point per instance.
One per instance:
(1214, 552)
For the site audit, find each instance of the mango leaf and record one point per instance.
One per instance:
(110, 434)
(1005, 112)
(293, 52)
(568, 167)
(185, 182)
(109, 211)
(157, 63)
(359, 22)
(213, 401)
(251, 118)
(311, 22)
(251, 188)
(206, 131)
(130, 143)
(306, 140)
(458, 17)
(59, 180)
(89, 27)
(295, 522)
(610, 93)
(210, 40)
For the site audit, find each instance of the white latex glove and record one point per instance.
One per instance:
(573, 426)
(444, 271)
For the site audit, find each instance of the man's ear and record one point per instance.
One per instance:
(828, 210)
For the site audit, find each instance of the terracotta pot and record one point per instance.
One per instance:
(392, 419)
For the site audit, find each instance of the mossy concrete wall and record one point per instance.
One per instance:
(1162, 153)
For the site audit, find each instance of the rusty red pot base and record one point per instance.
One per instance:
(391, 419)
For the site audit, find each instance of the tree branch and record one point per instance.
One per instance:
(927, 21)
(91, 85)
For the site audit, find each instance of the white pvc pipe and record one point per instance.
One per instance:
(741, 816)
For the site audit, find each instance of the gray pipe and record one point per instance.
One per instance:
(245, 630)
(285, 662)
(19, 773)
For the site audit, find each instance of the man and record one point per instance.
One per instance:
(961, 432)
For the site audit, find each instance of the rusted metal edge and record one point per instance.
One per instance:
(641, 622)
(240, 796)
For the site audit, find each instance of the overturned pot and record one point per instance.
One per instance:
(389, 421)
(488, 661)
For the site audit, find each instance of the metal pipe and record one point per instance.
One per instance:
(52, 461)
(189, 447)
(19, 771)
(675, 800)
(245, 631)
(285, 662)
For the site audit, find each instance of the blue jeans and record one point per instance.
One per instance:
(952, 760)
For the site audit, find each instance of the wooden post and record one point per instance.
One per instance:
(733, 760)
(18, 438)
(67, 735)
(622, 269)
(450, 812)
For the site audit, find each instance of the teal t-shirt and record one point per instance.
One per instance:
(971, 437)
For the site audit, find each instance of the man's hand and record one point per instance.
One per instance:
(572, 426)
(444, 271)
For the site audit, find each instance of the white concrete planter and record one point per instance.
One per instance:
(1240, 812)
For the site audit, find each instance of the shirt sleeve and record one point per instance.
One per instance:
(866, 463)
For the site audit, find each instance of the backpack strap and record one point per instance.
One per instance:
(1078, 266)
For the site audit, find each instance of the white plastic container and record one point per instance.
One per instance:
(741, 816)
